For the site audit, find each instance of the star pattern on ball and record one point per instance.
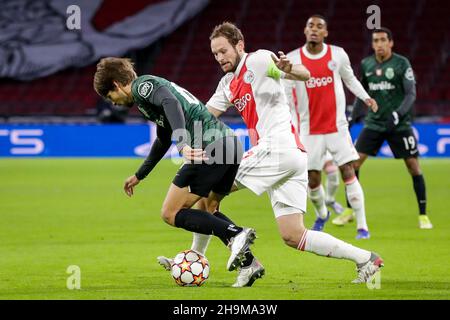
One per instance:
(198, 280)
(185, 266)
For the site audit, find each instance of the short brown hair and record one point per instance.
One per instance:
(229, 31)
(113, 69)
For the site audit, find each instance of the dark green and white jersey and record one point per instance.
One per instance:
(384, 82)
(202, 126)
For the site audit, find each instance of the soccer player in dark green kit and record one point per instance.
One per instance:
(389, 78)
(211, 151)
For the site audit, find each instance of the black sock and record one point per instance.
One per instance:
(419, 188)
(248, 255)
(346, 199)
(205, 223)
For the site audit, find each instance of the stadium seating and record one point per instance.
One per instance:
(419, 33)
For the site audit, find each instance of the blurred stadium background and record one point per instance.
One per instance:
(59, 212)
(183, 56)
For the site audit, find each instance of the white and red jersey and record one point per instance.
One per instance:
(260, 99)
(318, 104)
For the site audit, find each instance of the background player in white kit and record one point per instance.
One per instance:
(323, 123)
(277, 162)
(330, 167)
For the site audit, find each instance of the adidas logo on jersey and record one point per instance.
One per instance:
(241, 103)
(318, 82)
(383, 85)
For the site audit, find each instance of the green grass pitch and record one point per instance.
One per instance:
(61, 212)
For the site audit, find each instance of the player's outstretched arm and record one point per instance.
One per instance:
(293, 71)
(216, 112)
(159, 148)
(350, 81)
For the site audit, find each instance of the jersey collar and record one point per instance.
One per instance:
(241, 63)
(315, 56)
(380, 63)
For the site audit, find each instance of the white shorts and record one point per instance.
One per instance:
(328, 157)
(282, 173)
(338, 144)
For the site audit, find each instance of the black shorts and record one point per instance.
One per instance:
(402, 143)
(217, 174)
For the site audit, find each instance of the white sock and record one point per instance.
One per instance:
(323, 244)
(200, 242)
(332, 183)
(317, 197)
(355, 196)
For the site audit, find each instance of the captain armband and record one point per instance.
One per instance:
(275, 73)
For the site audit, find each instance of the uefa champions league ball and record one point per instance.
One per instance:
(190, 269)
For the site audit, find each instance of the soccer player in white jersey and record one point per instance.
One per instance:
(276, 163)
(323, 123)
(330, 167)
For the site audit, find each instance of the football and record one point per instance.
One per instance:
(190, 269)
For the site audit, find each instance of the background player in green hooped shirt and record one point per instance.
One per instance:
(212, 157)
(389, 79)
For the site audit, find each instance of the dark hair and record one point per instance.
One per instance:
(110, 70)
(385, 30)
(229, 31)
(318, 16)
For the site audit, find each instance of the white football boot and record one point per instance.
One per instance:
(248, 275)
(368, 269)
(238, 246)
(165, 262)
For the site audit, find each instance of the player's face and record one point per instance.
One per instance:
(119, 97)
(315, 30)
(381, 44)
(227, 55)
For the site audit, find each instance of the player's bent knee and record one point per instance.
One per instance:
(314, 179)
(347, 171)
(202, 204)
(168, 216)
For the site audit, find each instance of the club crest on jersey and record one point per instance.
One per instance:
(409, 74)
(332, 65)
(389, 73)
(249, 77)
(145, 88)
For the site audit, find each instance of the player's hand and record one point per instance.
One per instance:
(372, 104)
(282, 62)
(196, 155)
(392, 121)
(130, 183)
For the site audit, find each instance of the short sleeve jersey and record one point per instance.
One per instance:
(318, 105)
(255, 90)
(201, 125)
